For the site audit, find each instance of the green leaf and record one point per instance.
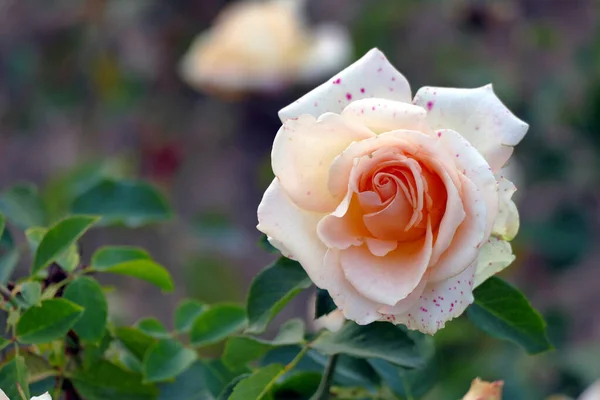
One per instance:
(109, 256)
(14, 373)
(271, 290)
(53, 319)
(228, 391)
(22, 206)
(153, 327)
(166, 359)
(264, 244)
(133, 262)
(135, 341)
(59, 238)
(186, 314)
(203, 380)
(105, 380)
(4, 343)
(240, 350)
(88, 293)
(132, 203)
(503, 312)
(253, 387)
(383, 340)
(31, 293)
(95, 351)
(69, 260)
(2, 224)
(406, 382)
(324, 304)
(217, 323)
(8, 263)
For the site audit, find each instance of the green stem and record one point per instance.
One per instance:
(8, 295)
(291, 365)
(323, 389)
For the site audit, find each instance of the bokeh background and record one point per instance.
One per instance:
(92, 85)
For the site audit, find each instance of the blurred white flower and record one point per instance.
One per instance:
(45, 396)
(482, 390)
(263, 46)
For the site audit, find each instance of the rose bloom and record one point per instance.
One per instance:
(482, 390)
(263, 46)
(395, 206)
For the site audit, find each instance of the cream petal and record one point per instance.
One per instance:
(370, 76)
(390, 312)
(331, 49)
(494, 256)
(343, 227)
(472, 165)
(506, 224)
(332, 322)
(467, 239)
(382, 115)
(591, 393)
(408, 141)
(45, 396)
(439, 303)
(354, 306)
(303, 151)
(389, 279)
(292, 230)
(478, 115)
(379, 247)
(3, 395)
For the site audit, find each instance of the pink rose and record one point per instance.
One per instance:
(396, 207)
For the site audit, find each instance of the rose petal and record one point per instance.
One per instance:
(382, 115)
(302, 153)
(591, 393)
(343, 227)
(45, 396)
(412, 142)
(3, 395)
(354, 306)
(388, 279)
(472, 165)
(380, 247)
(478, 115)
(292, 230)
(506, 224)
(405, 304)
(495, 255)
(370, 76)
(467, 239)
(439, 303)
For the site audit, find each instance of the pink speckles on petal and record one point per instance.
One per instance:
(362, 90)
(430, 105)
(380, 69)
(349, 96)
(393, 79)
(316, 104)
(439, 134)
(337, 81)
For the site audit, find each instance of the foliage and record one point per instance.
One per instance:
(60, 332)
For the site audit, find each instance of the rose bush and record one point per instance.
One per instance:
(394, 205)
(262, 46)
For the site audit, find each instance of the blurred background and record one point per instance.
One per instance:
(92, 87)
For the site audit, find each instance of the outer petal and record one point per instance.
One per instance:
(343, 227)
(354, 306)
(293, 230)
(591, 393)
(495, 255)
(3, 395)
(45, 396)
(303, 150)
(467, 238)
(382, 115)
(439, 303)
(370, 76)
(506, 224)
(478, 115)
(389, 279)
